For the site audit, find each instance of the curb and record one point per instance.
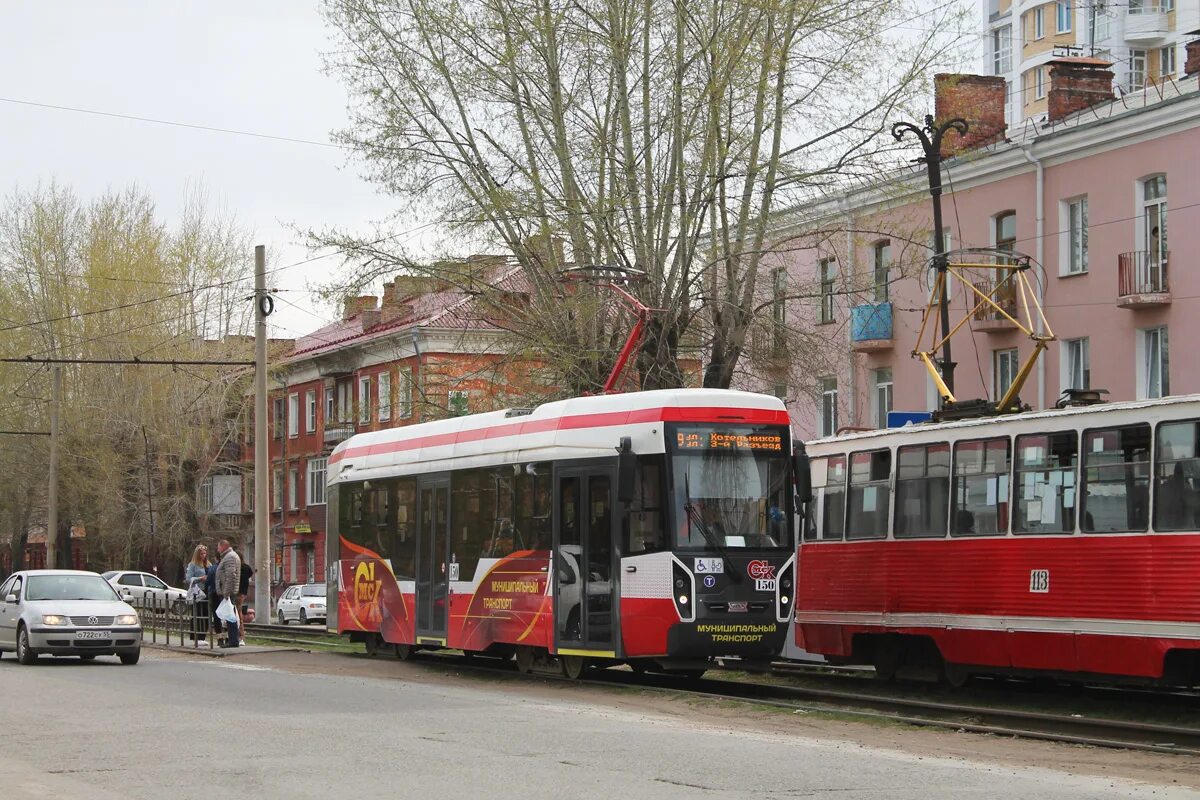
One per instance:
(218, 652)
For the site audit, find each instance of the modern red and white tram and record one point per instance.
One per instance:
(654, 528)
(1049, 543)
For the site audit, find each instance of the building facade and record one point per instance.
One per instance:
(1089, 197)
(1143, 39)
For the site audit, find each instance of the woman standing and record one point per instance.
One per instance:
(194, 576)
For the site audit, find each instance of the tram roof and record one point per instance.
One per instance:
(1007, 422)
(587, 425)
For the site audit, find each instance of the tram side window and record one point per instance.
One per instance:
(922, 491)
(475, 527)
(1177, 477)
(1045, 483)
(404, 546)
(981, 470)
(532, 527)
(1116, 469)
(647, 528)
(870, 495)
(829, 497)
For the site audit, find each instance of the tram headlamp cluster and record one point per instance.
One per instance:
(680, 583)
(683, 601)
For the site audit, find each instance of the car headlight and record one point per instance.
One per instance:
(55, 619)
(127, 619)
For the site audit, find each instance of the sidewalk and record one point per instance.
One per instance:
(214, 652)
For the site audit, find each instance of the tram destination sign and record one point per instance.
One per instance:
(711, 438)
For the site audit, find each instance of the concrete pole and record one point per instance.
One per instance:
(52, 491)
(262, 533)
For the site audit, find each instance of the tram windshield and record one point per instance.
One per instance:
(730, 487)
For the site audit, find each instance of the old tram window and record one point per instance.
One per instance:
(870, 497)
(981, 470)
(1177, 477)
(1045, 477)
(922, 491)
(1116, 476)
(829, 497)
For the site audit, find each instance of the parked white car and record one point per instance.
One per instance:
(144, 588)
(304, 603)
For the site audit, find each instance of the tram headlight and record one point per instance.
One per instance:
(783, 600)
(683, 601)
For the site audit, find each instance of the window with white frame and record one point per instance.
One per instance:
(882, 399)
(293, 489)
(385, 396)
(293, 415)
(330, 406)
(827, 269)
(1039, 83)
(316, 481)
(205, 500)
(1075, 241)
(345, 392)
(1064, 11)
(1004, 370)
(779, 309)
(1002, 50)
(1154, 228)
(277, 489)
(1153, 364)
(278, 417)
(1098, 22)
(1167, 63)
(883, 262)
(1039, 23)
(404, 393)
(310, 407)
(1137, 70)
(1076, 364)
(364, 399)
(458, 402)
(829, 406)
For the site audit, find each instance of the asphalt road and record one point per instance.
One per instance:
(175, 728)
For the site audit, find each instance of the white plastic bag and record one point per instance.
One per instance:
(226, 611)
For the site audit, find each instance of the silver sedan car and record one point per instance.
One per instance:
(61, 612)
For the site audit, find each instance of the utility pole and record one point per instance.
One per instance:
(262, 535)
(931, 142)
(52, 491)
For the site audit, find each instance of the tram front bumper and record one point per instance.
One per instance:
(725, 636)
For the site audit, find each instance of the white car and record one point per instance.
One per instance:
(304, 603)
(146, 589)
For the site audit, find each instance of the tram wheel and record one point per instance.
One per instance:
(886, 663)
(525, 658)
(956, 675)
(371, 644)
(404, 651)
(571, 666)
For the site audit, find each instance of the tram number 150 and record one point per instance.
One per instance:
(1039, 580)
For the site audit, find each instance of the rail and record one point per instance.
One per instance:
(1142, 272)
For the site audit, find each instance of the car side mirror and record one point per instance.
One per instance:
(12, 598)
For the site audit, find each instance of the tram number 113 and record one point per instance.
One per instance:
(1039, 580)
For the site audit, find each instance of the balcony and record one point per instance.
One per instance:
(1142, 280)
(338, 433)
(987, 318)
(871, 327)
(1146, 24)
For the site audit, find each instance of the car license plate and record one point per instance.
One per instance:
(91, 634)
(739, 607)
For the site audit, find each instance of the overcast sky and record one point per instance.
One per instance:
(249, 65)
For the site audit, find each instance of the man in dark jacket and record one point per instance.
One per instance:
(229, 575)
(243, 590)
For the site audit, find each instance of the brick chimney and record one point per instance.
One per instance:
(1192, 65)
(1077, 84)
(353, 306)
(979, 99)
(369, 317)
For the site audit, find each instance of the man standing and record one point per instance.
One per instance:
(229, 574)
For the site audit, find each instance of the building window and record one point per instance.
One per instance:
(1004, 370)
(779, 309)
(1039, 23)
(1076, 362)
(1063, 12)
(1154, 367)
(330, 406)
(829, 406)
(345, 391)
(385, 396)
(1006, 231)
(364, 400)
(781, 391)
(293, 489)
(1154, 226)
(1002, 50)
(827, 269)
(1098, 22)
(1039, 83)
(277, 489)
(1167, 64)
(277, 418)
(882, 400)
(404, 391)
(316, 481)
(293, 415)
(1077, 235)
(204, 502)
(310, 405)
(1137, 70)
(883, 261)
(458, 403)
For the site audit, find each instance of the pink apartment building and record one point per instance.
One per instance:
(1090, 196)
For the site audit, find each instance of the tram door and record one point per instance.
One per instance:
(584, 532)
(433, 555)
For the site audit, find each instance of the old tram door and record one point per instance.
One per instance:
(585, 614)
(433, 556)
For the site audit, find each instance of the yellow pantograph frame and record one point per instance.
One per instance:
(1014, 275)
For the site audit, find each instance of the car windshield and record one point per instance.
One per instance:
(68, 587)
(312, 591)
